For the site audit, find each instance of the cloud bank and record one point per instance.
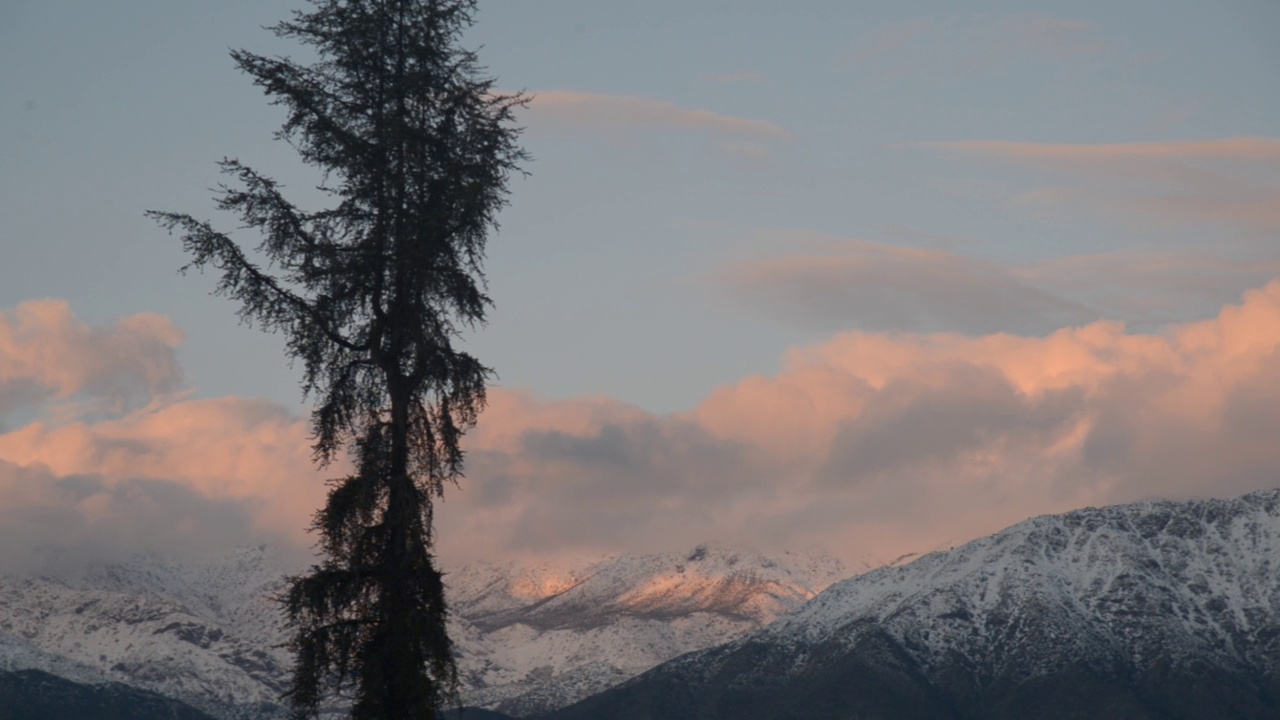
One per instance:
(871, 444)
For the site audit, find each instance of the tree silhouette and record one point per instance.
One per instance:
(416, 149)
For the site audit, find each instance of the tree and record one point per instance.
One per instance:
(372, 293)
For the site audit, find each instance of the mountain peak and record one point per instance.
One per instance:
(1150, 610)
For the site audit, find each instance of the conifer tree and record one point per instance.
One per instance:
(372, 293)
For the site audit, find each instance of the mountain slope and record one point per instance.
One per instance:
(530, 638)
(205, 634)
(1152, 610)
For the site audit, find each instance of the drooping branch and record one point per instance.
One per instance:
(262, 296)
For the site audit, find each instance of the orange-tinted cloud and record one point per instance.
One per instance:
(886, 443)
(45, 351)
(870, 444)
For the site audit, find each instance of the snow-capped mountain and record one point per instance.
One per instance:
(1150, 610)
(206, 634)
(532, 639)
(529, 638)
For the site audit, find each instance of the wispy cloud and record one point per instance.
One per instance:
(846, 284)
(832, 284)
(1229, 182)
(569, 109)
(1147, 287)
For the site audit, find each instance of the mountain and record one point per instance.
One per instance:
(1155, 610)
(529, 637)
(533, 638)
(206, 634)
(35, 695)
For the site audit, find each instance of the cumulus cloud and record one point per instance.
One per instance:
(120, 460)
(878, 444)
(46, 352)
(871, 444)
(187, 479)
(56, 524)
(226, 448)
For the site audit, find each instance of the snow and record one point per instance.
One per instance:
(528, 637)
(1118, 586)
(1187, 581)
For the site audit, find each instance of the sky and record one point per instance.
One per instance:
(872, 277)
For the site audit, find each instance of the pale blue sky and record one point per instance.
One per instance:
(640, 260)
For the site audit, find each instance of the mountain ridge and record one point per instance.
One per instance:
(209, 634)
(1149, 610)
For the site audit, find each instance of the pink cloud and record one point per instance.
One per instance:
(872, 444)
(224, 449)
(880, 444)
(46, 351)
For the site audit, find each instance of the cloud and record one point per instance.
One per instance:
(871, 444)
(1150, 288)
(58, 524)
(46, 352)
(225, 449)
(1226, 182)
(888, 443)
(857, 284)
(832, 284)
(584, 111)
